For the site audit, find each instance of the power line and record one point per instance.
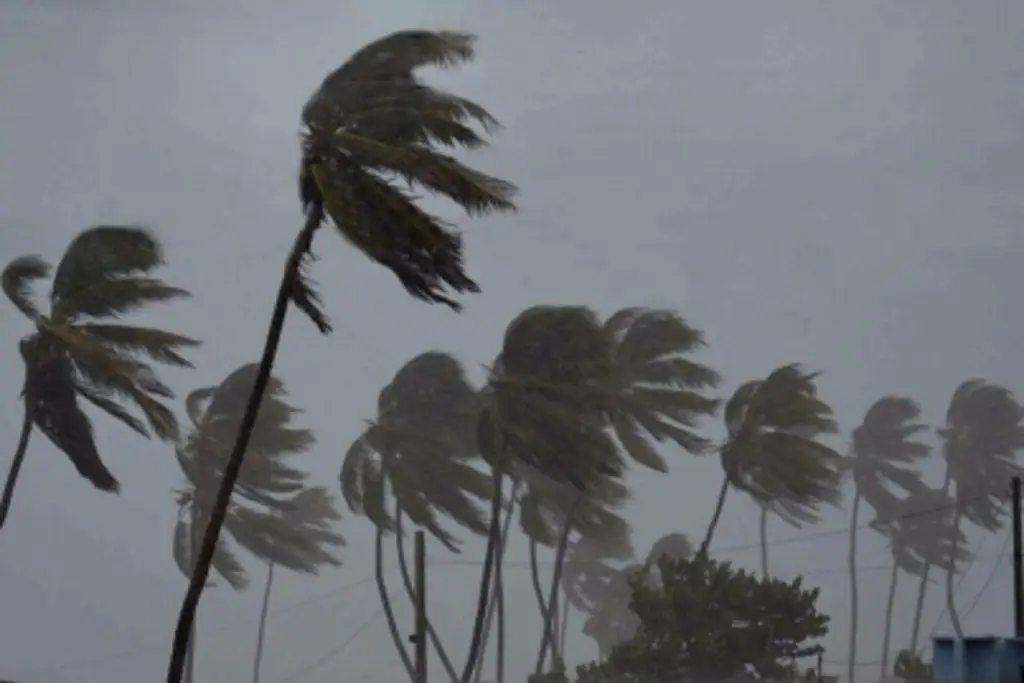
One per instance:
(988, 581)
(334, 652)
(138, 649)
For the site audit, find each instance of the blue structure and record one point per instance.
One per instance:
(987, 659)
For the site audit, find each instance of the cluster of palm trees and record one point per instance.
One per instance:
(571, 400)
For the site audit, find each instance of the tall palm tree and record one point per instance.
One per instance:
(884, 455)
(773, 449)
(275, 515)
(371, 125)
(916, 537)
(417, 461)
(980, 440)
(79, 350)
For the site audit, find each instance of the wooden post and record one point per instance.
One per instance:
(1018, 565)
(421, 608)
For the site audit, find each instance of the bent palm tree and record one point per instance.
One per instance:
(105, 273)
(371, 124)
(982, 435)
(420, 451)
(275, 516)
(773, 450)
(884, 455)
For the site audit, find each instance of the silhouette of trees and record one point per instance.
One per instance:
(980, 439)
(274, 514)
(884, 454)
(773, 452)
(79, 351)
(370, 126)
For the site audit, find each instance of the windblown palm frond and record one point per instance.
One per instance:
(275, 516)
(373, 123)
(76, 352)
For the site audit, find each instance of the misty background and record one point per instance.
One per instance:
(831, 183)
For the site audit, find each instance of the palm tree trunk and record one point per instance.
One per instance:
(851, 668)
(485, 579)
(16, 463)
(411, 591)
(261, 633)
(954, 617)
(764, 541)
(714, 519)
(922, 587)
(219, 513)
(556, 580)
(190, 660)
(499, 673)
(389, 612)
(495, 592)
(563, 628)
(887, 633)
(538, 589)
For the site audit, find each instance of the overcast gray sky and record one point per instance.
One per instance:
(835, 183)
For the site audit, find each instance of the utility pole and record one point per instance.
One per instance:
(421, 608)
(1018, 563)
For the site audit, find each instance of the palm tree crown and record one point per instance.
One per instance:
(75, 352)
(372, 123)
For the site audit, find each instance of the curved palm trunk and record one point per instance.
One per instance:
(706, 543)
(485, 578)
(954, 617)
(563, 629)
(261, 633)
(851, 669)
(492, 608)
(550, 613)
(764, 542)
(389, 612)
(887, 633)
(538, 589)
(219, 513)
(922, 587)
(499, 666)
(16, 463)
(410, 590)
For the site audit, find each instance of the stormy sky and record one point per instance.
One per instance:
(831, 183)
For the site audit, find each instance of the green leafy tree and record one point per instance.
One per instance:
(274, 514)
(980, 440)
(79, 351)
(884, 456)
(417, 461)
(371, 126)
(773, 450)
(706, 620)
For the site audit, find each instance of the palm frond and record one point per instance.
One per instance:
(112, 297)
(18, 279)
(160, 345)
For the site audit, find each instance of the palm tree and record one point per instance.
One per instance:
(981, 437)
(371, 125)
(79, 350)
(417, 461)
(884, 454)
(915, 538)
(275, 515)
(773, 451)
(564, 378)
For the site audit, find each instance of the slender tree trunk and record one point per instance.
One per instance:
(219, 513)
(485, 578)
(499, 674)
(887, 633)
(954, 617)
(547, 639)
(922, 587)
(714, 519)
(389, 612)
(563, 628)
(194, 539)
(492, 607)
(261, 633)
(851, 668)
(764, 541)
(538, 589)
(411, 592)
(16, 463)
